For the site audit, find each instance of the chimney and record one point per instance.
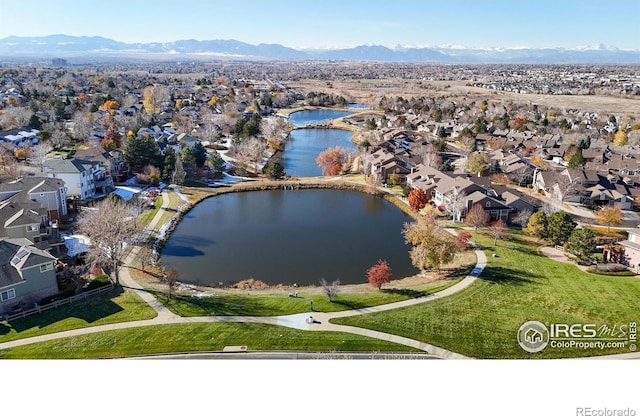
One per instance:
(469, 204)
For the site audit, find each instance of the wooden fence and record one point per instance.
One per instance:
(55, 304)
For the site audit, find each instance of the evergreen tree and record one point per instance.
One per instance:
(559, 227)
(582, 244)
(274, 170)
(199, 154)
(168, 164)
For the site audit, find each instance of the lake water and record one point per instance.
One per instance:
(297, 236)
(306, 117)
(304, 146)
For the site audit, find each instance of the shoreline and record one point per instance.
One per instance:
(331, 183)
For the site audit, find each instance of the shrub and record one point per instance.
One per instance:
(99, 281)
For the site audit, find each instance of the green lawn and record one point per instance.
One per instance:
(109, 308)
(517, 286)
(257, 304)
(197, 337)
(148, 214)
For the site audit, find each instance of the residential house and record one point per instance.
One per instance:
(111, 166)
(80, 176)
(20, 136)
(27, 274)
(631, 250)
(46, 193)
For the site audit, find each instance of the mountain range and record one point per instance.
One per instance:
(63, 46)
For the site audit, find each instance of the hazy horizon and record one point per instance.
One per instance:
(332, 24)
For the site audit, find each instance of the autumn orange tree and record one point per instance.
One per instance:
(331, 160)
(462, 240)
(418, 199)
(379, 274)
(609, 216)
(477, 217)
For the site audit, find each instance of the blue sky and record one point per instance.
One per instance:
(329, 23)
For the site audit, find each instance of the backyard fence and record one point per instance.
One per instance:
(55, 304)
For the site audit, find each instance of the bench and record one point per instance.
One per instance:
(235, 348)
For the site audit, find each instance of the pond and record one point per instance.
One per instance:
(307, 117)
(295, 236)
(304, 146)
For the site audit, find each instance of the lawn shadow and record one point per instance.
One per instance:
(89, 310)
(349, 304)
(503, 275)
(236, 305)
(410, 293)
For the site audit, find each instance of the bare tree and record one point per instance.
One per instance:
(330, 290)
(522, 219)
(14, 117)
(457, 201)
(171, 277)
(520, 175)
(108, 227)
(39, 153)
(82, 126)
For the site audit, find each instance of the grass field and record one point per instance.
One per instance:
(260, 304)
(146, 217)
(197, 337)
(111, 307)
(517, 286)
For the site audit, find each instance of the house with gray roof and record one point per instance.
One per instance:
(80, 176)
(27, 274)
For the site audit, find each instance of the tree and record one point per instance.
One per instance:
(462, 240)
(477, 162)
(621, 138)
(140, 152)
(331, 160)
(108, 227)
(498, 230)
(559, 227)
(609, 216)
(113, 135)
(539, 162)
(330, 290)
(432, 246)
(537, 225)
(216, 162)
(199, 154)
(418, 199)
(168, 163)
(379, 274)
(522, 218)
(576, 161)
(39, 153)
(153, 96)
(582, 244)
(179, 174)
(456, 203)
(274, 170)
(477, 217)
(171, 277)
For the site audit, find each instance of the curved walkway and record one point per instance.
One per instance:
(301, 321)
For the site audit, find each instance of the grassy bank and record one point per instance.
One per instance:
(518, 285)
(112, 307)
(255, 303)
(175, 338)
